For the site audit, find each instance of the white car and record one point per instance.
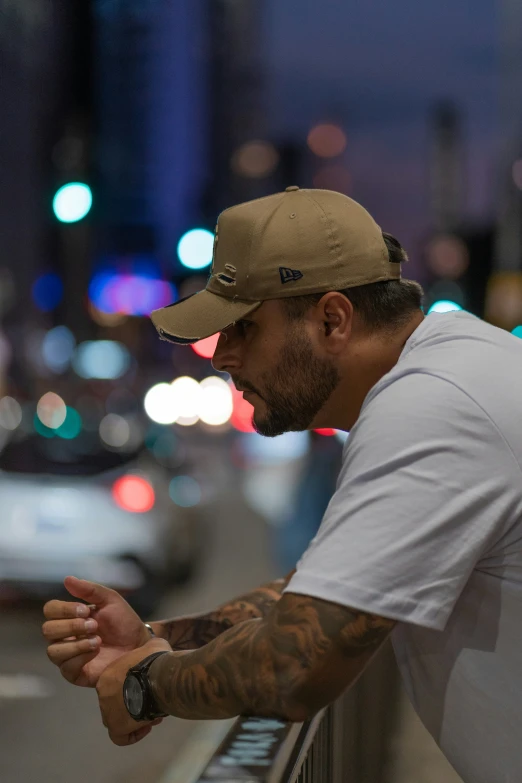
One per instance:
(103, 516)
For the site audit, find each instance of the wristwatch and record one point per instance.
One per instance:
(137, 691)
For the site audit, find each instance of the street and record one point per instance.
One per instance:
(51, 731)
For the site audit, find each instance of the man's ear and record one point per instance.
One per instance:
(336, 314)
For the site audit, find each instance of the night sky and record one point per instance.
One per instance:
(377, 67)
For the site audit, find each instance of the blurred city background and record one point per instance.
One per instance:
(126, 127)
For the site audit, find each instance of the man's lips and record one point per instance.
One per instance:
(246, 392)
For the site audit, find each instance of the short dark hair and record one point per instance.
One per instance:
(384, 306)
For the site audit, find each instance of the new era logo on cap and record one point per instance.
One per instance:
(335, 241)
(287, 275)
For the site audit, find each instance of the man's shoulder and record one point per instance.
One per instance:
(413, 404)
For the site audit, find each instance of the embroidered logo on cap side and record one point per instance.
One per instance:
(289, 275)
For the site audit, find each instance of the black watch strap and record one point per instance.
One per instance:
(150, 708)
(143, 666)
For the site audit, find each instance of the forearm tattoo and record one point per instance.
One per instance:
(194, 631)
(287, 665)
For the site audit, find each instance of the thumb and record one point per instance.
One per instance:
(91, 592)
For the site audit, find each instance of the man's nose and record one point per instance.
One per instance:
(226, 356)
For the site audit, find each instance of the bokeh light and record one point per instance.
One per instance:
(51, 410)
(10, 413)
(42, 429)
(444, 306)
(327, 140)
(72, 202)
(186, 394)
(255, 159)
(57, 348)
(115, 430)
(133, 493)
(101, 359)
(129, 294)
(168, 449)
(447, 256)
(195, 248)
(160, 404)
(242, 413)
(185, 491)
(47, 292)
(206, 347)
(504, 299)
(72, 426)
(215, 401)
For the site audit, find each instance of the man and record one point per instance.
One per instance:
(422, 538)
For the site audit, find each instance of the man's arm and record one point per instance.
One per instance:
(288, 665)
(193, 631)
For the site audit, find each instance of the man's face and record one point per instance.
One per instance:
(273, 360)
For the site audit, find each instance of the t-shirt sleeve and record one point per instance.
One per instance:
(423, 493)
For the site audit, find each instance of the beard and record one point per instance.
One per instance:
(296, 389)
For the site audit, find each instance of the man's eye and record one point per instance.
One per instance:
(243, 325)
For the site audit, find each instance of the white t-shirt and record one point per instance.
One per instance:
(425, 527)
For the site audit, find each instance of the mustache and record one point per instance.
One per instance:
(243, 385)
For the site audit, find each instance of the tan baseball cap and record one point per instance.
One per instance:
(287, 244)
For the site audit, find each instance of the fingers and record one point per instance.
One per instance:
(135, 736)
(91, 592)
(62, 651)
(71, 670)
(130, 739)
(54, 630)
(58, 610)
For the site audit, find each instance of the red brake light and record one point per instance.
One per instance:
(133, 493)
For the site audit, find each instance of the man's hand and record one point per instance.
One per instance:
(123, 730)
(82, 652)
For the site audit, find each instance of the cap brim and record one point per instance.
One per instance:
(198, 316)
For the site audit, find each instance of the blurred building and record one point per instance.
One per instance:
(151, 156)
(235, 39)
(33, 36)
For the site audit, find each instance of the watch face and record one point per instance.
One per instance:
(133, 695)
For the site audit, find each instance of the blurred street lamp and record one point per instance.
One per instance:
(72, 202)
(195, 248)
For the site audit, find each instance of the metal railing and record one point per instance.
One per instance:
(344, 743)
